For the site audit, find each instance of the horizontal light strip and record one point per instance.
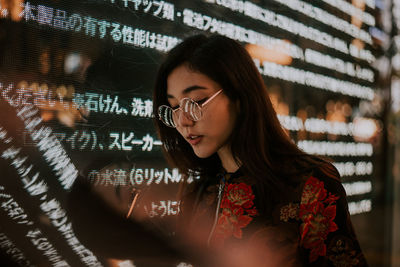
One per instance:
(354, 168)
(315, 80)
(295, 27)
(291, 123)
(351, 10)
(207, 23)
(362, 206)
(213, 25)
(321, 15)
(331, 20)
(357, 188)
(327, 148)
(329, 62)
(315, 125)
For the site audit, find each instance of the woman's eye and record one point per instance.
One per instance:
(172, 106)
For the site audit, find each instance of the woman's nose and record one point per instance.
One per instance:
(185, 120)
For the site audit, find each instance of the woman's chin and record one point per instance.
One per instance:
(202, 154)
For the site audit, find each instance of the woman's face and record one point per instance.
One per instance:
(219, 115)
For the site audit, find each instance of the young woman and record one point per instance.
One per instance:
(259, 201)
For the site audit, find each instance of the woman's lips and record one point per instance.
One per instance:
(195, 141)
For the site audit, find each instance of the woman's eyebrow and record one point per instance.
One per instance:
(190, 89)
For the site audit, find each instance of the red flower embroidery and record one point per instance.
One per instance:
(237, 208)
(238, 195)
(317, 211)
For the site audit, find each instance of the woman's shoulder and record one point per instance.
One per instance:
(326, 231)
(323, 184)
(326, 171)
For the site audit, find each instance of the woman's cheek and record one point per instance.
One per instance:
(205, 148)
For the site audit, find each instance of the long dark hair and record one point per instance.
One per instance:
(258, 141)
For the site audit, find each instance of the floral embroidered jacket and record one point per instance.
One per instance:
(310, 228)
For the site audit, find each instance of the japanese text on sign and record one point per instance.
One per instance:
(108, 104)
(136, 176)
(92, 27)
(162, 208)
(90, 140)
(159, 9)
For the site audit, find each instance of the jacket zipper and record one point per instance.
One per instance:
(220, 190)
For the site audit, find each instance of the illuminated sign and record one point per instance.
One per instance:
(318, 61)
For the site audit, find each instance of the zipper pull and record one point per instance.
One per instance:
(221, 187)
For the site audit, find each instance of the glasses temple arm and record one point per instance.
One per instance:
(211, 98)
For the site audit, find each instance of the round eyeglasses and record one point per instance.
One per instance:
(187, 106)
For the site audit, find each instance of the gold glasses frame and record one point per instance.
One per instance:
(187, 106)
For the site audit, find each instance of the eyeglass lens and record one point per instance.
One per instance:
(191, 109)
(188, 108)
(165, 115)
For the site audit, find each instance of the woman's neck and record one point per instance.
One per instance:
(227, 160)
